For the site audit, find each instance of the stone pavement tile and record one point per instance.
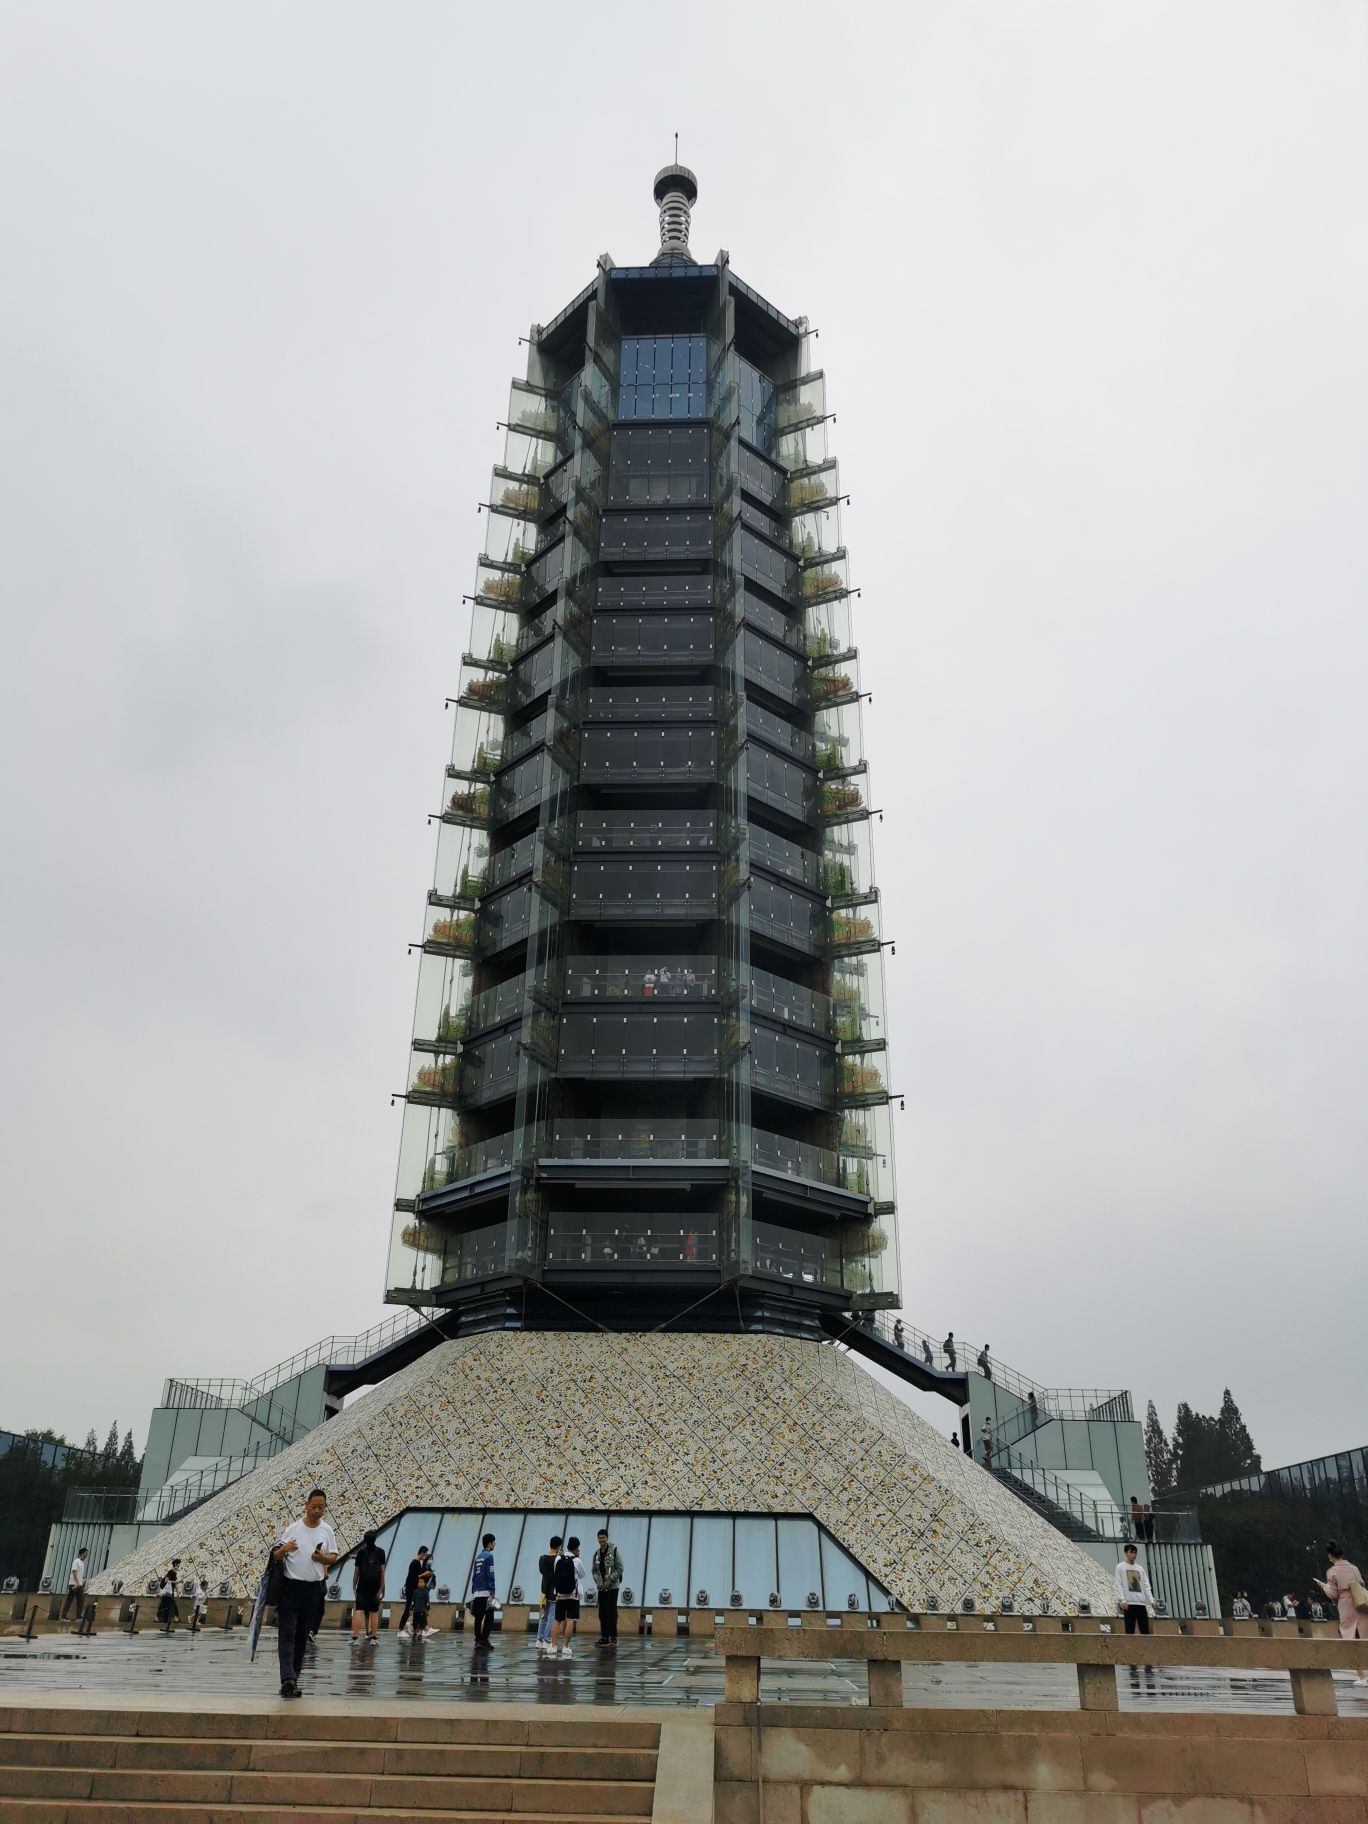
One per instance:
(842, 1805)
(954, 1762)
(1082, 1808)
(1213, 1810)
(1217, 1767)
(1338, 1767)
(967, 1808)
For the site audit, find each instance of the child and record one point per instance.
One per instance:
(201, 1604)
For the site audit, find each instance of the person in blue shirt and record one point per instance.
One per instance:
(482, 1591)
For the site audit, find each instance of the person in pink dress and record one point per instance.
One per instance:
(1339, 1584)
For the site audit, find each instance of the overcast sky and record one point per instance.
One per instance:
(1092, 291)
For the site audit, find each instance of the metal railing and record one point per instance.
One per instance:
(1050, 1402)
(335, 1351)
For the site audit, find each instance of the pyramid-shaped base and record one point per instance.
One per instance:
(651, 1423)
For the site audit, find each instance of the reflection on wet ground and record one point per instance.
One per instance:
(641, 1671)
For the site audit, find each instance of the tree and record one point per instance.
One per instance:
(1158, 1453)
(110, 1453)
(92, 1443)
(128, 1461)
(1235, 1439)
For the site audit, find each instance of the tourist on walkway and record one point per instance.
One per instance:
(1147, 1514)
(1134, 1596)
(200, 1605)
(168, 1609)
(899, 1335)
(546, 1569)
(986, 1444)
(1137, 1518)
(368, 1588)
(565, 1578)
(76, 1584)
(607, 1575)
(1240, 1609)
(422, 1596)
(985, 1365)
(482, 1591)
(1289, 1607)
(412, 1578)
(306, 1551)
(949, 1347)
(1343, 1584)
(927, 1356)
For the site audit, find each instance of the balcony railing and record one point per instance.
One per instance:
(609, 1139)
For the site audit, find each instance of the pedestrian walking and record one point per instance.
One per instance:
(1134, 1596)
(168, 1609)
(368, 1588)
(76, 1584)
(985, 1365)
(422, 1597)
(1137, 1518)
(566, 1581)
(1147, 1520)
(949, 1347)
(899, 1335)
(1343, 1584)
(482, 1591)
(305, 1551)
(412, 1578)
(607, 1574)
(927, 1356)
(546, 1621)
(986, 1444)
(199, 1607)
(1033, 1408)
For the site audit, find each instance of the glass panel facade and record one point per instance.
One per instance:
(653, 934)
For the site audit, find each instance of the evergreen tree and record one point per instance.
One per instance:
(1158, 1453)
(1235, 1439)
(110, 1454)
(128, 1461)
(92, 1443)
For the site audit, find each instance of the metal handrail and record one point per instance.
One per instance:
(1062, 1402)
(336, 1351)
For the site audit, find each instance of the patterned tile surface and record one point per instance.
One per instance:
(741, 1424)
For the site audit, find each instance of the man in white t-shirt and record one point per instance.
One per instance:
(306, 1552)
(1134, 1597)
(76, 1585)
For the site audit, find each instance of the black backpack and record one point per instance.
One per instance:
(370, 1561)
(563, 1576)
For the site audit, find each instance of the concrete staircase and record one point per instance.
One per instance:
(314, 1763)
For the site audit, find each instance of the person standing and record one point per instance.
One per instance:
(927, 1356)
(899, 1334)
(412, 1578)
(422, 1596)
(1137, 1518)
(1147, 1518)
(607, 1575)
(368, 1588)
(168, 1609)
(1240, 1609)
(76, 1584)
(986, 1444)
(1134, 1596)
(482, 1591)
(200, 1605)
(305, 1551)
(949, 1347)
(546, 1622)
(1343, 1584)
(566, 1582)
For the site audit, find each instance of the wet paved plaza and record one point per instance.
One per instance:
(642, 1671)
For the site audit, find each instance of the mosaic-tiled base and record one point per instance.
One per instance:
(739, 1424)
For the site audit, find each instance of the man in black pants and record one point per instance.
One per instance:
(1133, 1593)
(607, 1576)
(307, 1551)
(416, 1568)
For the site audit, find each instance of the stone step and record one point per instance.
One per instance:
(308, 1721)
(338, 1792)
(57, 1811)
(193, 1754)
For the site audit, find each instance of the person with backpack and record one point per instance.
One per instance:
(546, 1622)
(482, 1591)
(607, 1572)
(566, 1576)
(368, 1588)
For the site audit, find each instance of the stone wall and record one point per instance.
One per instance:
(821, 1765)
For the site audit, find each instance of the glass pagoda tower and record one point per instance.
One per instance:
(649, 1074)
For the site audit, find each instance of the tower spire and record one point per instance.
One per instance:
(675, 192)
